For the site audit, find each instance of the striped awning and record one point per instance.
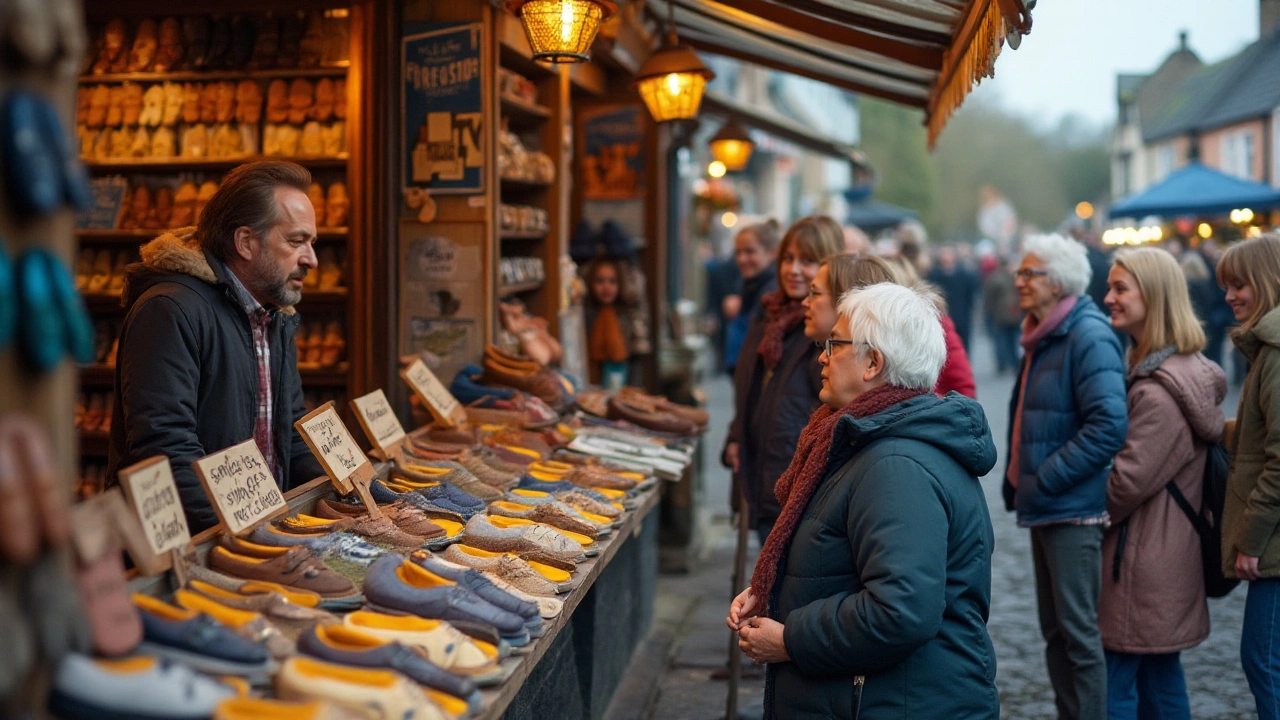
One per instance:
(923, 53)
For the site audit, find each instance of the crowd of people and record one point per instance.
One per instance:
(857, 449)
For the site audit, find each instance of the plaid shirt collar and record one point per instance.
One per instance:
(252, 307)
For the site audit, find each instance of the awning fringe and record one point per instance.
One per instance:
(978, 62)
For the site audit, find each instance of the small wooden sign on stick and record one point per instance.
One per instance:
(240, 486)
(336, 449)
(153, 495)
(443, 406)
(380, 424)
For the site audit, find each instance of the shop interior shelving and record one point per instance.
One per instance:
(319, 307)
(540, 123)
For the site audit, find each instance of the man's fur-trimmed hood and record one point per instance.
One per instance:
(176, 252)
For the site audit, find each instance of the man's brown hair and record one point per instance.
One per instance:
(247, 198)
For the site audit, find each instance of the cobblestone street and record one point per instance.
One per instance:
(694, 605)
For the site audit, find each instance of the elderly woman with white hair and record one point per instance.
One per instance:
(871, 595)
(1069, 419)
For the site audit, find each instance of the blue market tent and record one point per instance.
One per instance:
(1196, 189)
(872, 216)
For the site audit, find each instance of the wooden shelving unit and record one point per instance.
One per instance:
(138, 236)
(180, 164)
(323, 307)
(541, 125)
(518, 288)
(336, 71)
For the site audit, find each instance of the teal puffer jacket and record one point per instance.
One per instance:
(885, 588)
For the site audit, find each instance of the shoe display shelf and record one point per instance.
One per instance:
(327, 304)
(586, 648)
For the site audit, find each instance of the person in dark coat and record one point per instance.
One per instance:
(755, 254)
(776, 381)
(207, 357)
(1000, 305)
(871, 595)
(1069, 421)
(959, 287)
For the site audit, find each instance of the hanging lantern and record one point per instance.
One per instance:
(732, 146)
(671, 81)
(561, 31)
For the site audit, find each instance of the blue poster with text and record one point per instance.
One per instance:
(443, 107)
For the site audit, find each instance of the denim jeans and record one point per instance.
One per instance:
(1260, 645)
(1005, 339)
(1146, 687)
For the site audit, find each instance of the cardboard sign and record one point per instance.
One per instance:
(435, 395)
(101, 522)
(240, 486)
(380, 423)
(336, 449)
(150, 490)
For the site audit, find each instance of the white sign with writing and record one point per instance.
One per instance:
(151, 492)
(332, 444)
(240, 486)
(437, 397)
(379, 421)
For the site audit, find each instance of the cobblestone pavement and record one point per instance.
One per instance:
(700, 599)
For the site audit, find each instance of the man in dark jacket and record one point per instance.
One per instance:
(959, 286)
(207, 356)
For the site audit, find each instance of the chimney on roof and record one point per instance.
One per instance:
(1268, 17)
(1182, 41)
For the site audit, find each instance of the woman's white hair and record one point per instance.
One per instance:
(1066, 261)
(904, 325)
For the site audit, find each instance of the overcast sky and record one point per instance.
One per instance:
(1068, 63)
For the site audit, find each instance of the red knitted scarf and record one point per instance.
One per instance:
(781, 314)
(806, 472)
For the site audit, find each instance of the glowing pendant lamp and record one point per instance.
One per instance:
(672, 79)
(732, 146)
(561, 31)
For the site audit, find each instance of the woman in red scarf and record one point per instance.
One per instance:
(776, 379)
(871, 595)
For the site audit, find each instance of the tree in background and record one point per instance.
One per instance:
(1044, 173)
(893, 136)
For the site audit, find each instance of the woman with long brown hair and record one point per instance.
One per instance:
(1250, 271)
(845, 272)
(777, 377)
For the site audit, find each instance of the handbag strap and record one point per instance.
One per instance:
(1202, 527)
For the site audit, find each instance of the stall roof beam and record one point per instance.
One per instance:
(803, 71)
(922, 53)
(926, 56)
(781, 126)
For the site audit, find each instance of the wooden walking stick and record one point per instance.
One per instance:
(739, 573)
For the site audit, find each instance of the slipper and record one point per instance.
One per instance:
(31, 172)
(44, 341)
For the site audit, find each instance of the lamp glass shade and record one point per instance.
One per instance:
(561, 31)
(732, 146)
(674, 96)
(671, 81)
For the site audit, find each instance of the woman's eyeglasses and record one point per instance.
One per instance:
(826, 344)
(1026, 274)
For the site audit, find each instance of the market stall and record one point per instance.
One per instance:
(451, 165)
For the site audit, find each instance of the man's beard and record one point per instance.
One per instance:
(275, 282)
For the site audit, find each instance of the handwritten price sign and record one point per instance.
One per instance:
(379, 422)
(333, 445)
(151, 492)
(437, 397)
(240, 486)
